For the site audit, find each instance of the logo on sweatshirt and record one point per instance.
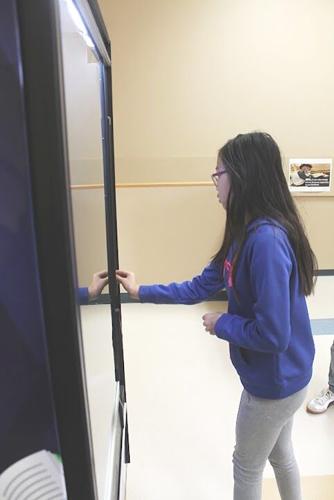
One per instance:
(228, 269)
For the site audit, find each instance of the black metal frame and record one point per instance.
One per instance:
(46, 129)
(111, 229)
(100, 23)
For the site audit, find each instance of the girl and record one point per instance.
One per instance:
(267, 266)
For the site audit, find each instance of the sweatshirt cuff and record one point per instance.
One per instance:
(83, 296)
(144, 293)
(219, 326)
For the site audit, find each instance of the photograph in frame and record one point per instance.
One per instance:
(310, 174)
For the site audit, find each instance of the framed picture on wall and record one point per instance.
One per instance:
(310, 174)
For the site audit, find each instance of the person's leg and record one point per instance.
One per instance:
(248, 472)
(325, 398)
(259, 425)
(285, 466)
(331, 371)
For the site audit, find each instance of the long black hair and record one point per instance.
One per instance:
(259, 189)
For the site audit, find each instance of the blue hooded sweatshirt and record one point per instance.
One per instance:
(267, 324)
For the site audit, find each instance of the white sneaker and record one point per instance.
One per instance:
(321, 402)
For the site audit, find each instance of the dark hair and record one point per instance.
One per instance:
(259, 189)
(305, 165)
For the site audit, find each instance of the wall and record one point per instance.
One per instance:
(189, 75)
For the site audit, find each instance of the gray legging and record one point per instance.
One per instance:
(331, 370)
(263, 431)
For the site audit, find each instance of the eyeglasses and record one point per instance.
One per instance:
(216, 176)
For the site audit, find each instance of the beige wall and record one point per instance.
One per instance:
(188, 75)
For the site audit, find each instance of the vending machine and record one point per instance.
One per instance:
(56, 126)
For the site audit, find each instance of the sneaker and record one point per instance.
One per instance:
(321, 402)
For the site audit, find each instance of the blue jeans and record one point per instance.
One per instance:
(263, 431)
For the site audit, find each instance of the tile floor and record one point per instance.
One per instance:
(183, 395)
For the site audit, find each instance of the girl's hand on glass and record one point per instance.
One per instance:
(99, 281)
(128, 281)
(209, 322)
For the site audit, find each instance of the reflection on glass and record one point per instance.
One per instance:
(82, 81)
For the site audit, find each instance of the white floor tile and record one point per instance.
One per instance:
(321, 304)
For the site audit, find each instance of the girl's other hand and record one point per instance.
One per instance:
(128, 281)
(209, 322)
